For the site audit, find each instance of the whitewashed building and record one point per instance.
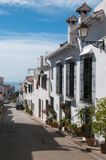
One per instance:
(36, 90)
(75, 73)
(78, 67)
(27, 88)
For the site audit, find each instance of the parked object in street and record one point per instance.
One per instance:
(19, 104)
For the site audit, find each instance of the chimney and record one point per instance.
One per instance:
(71, 25)
(83, 11)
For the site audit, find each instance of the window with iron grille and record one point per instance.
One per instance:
(70, 78)
(86, 78)
(59, 78)
(44, 82)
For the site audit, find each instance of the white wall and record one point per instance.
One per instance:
(62, 57)
(102, 5)
(100, 74)
(43, 95)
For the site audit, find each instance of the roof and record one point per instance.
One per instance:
(43, 68)
(84, 7)
(72, 19)
(29, 78)
(67, 46)
(96, 15)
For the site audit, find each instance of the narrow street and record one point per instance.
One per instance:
(23, 138)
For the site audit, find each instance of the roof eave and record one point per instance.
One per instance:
(69, 45)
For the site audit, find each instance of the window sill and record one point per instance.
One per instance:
(69, 97)
(59, 94)
(85, 101)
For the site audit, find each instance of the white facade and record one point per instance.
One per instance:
(41, 96)
(38, 97)
(97, 32)
(88, 77)
(62, 57)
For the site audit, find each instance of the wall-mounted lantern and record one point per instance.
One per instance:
(83, 32)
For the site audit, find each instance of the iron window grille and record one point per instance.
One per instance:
(59, 78)
(70, 78)
(86, 79)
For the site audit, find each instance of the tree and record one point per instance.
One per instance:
(99, 125)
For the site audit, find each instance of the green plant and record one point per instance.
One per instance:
(86, 128)
(99, 125)
(86, 131)
(74, 129)
(64, 122)
(66, 109)
(28, 110)
(54, 124)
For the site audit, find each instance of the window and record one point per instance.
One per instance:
(30, 88)
(70, 78)
(51, 73)
(59, 78)
(44, 82)
(86, 79)
(25, 88)
(39, 102)
(38, 82)
(52, 101)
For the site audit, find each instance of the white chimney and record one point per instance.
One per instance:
(83, 11)
(71, 25)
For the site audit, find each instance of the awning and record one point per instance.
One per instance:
(87, 51)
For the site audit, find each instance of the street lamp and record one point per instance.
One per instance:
(83, 32)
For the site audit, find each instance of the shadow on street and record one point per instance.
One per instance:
(19, 140)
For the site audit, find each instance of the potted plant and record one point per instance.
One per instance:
(54, 124)
(74, 130)
(99, 125)
(86, 128)
(64, 123)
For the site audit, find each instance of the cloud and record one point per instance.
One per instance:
(45, 3)
(18, 52)
(36, 2)
(49, 6)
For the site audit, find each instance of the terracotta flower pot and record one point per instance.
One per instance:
(103, 148)
(90, 141)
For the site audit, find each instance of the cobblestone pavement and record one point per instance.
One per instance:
(23, 138)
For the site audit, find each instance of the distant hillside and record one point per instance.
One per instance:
(15, 84)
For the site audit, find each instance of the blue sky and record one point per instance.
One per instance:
(28, 29)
